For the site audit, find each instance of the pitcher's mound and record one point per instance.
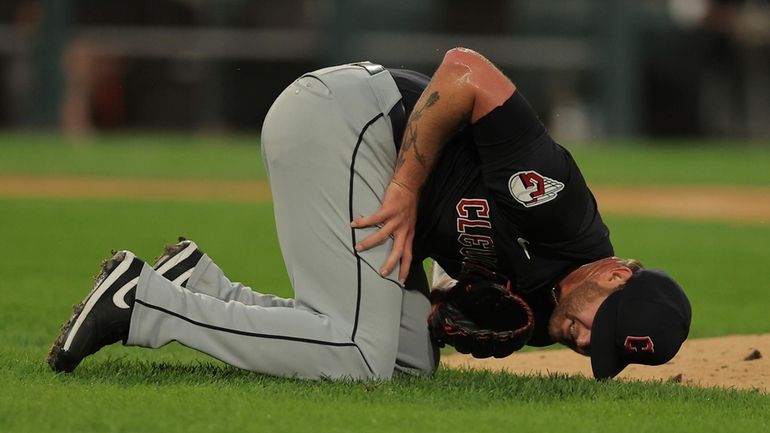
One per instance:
(738, 362)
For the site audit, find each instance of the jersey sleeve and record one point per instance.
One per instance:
(509, 131)
(544, 216)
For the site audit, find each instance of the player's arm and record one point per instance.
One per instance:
(465, 87)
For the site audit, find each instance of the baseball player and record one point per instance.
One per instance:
(362, 196)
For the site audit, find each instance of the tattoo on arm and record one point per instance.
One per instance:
(432, 99)
(410, 136)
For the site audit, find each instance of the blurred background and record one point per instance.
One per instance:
(593, 69)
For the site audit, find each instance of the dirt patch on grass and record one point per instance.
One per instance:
(721, 203)
(736, 362)
(731, 362)
(734, 204)
(133, 189)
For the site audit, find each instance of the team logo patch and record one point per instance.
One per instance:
(639, 344)
(530, 188)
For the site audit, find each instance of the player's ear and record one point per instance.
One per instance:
(615, 276)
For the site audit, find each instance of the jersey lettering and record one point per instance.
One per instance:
(479, 241)
(479, 256)
(465, 205)
(474, 232)
(463, 224)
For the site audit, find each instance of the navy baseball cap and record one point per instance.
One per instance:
(645, 322)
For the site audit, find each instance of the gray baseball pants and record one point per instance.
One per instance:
(328, 148)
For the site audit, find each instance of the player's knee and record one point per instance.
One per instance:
(360, 369)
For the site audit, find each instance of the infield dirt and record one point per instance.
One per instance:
(741, 362)
(733, 204)
(738, 361)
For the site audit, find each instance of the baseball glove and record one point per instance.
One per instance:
(479, 315)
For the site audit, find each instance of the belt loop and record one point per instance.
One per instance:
(371, 68)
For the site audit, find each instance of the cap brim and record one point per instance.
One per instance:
(604, 360)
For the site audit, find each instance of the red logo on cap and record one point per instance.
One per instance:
(635, 344)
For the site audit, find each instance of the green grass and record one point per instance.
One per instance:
(141, 156)
(50, 248)
(57, 245)
(143, 396)
(241, 237)
(666, 163)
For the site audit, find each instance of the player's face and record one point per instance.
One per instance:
(573, 318)
(584, 291)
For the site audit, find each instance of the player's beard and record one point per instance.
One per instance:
(572, 306)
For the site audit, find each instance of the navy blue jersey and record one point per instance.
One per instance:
(504, 195)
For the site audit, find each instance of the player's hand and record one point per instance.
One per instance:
(396, 219)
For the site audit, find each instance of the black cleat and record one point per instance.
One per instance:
(103, 317)
(178, 261)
